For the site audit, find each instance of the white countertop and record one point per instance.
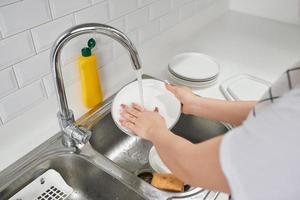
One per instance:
(241, 43)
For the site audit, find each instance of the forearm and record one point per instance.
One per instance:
(196, 164)
(233, 112)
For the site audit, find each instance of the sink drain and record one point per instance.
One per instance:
(147, 176)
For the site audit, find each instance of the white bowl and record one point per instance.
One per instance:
(155, 95)
(194, 67)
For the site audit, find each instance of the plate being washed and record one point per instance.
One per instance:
(155, 95)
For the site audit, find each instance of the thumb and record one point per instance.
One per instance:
(171, 88)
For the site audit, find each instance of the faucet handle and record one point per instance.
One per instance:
(79, 134)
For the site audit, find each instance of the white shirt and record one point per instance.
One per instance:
(261, 158)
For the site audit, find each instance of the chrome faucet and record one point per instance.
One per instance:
(74, 135)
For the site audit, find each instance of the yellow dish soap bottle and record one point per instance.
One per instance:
(90, 84)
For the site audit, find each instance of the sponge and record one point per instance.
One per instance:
(167, 182)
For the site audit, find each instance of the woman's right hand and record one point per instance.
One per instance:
(185, 96)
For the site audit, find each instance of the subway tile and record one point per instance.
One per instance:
(7, 2)
(187, 11)
(33, 68)
(149, 31)
(169, 20)
(145, 2)
(98, 13)
(45, 35)
(120, 7)
(63, 7)
(137, 19)
(97, 1)
(118, 24)
(23, 15)
(201, 4)
(104, 54)
(15, 49)
(49, 85)
(159, 8)
(8, 82)
(178, 3)
(133, 36)
(70, 75)
(24, 99)
(119, 50)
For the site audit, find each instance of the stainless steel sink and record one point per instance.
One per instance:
(87, 180)
(131, 153)
(108, 166)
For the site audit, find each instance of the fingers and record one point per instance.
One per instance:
(171, 88)
(138, 107)
(131, 110)
(128, 117)
(128, 125)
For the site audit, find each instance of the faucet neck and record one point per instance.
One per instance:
(65, 115)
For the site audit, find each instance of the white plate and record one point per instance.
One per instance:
(194, 67)
(156, 163)
(155, 95)
(194, 84)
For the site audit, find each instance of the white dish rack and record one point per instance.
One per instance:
(48, 186)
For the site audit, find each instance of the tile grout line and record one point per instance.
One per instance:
(51, 15)
(18, 1)
(15, 76)
(33, 43)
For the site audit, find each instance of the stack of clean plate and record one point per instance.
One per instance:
(194, 70)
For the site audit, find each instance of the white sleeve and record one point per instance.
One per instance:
(261, 158)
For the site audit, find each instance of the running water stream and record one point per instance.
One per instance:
(140, 84)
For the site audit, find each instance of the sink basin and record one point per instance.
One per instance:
(87, 180)
(131, 153)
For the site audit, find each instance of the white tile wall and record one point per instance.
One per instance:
(104, 54)
(22, 100)
(159, 8)
(20, 16)
(177, 3)
(29, 28)
(145, 2)
(15, 48)
(62, 7)
(33, 68)
(121, 7)
(7, 76)
(137, 19)
(169, 20)
(187, 10)
(6, 2)
(45, 35)
(97, 1)
(149, 31)
(97, 13)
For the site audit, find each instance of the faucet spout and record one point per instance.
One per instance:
(65, 115)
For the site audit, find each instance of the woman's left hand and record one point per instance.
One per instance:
(144, 123)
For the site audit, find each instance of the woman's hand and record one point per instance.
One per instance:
(185, 96)
(144, 123)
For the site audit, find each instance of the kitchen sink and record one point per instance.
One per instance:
(131, 153)
(87, 180)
